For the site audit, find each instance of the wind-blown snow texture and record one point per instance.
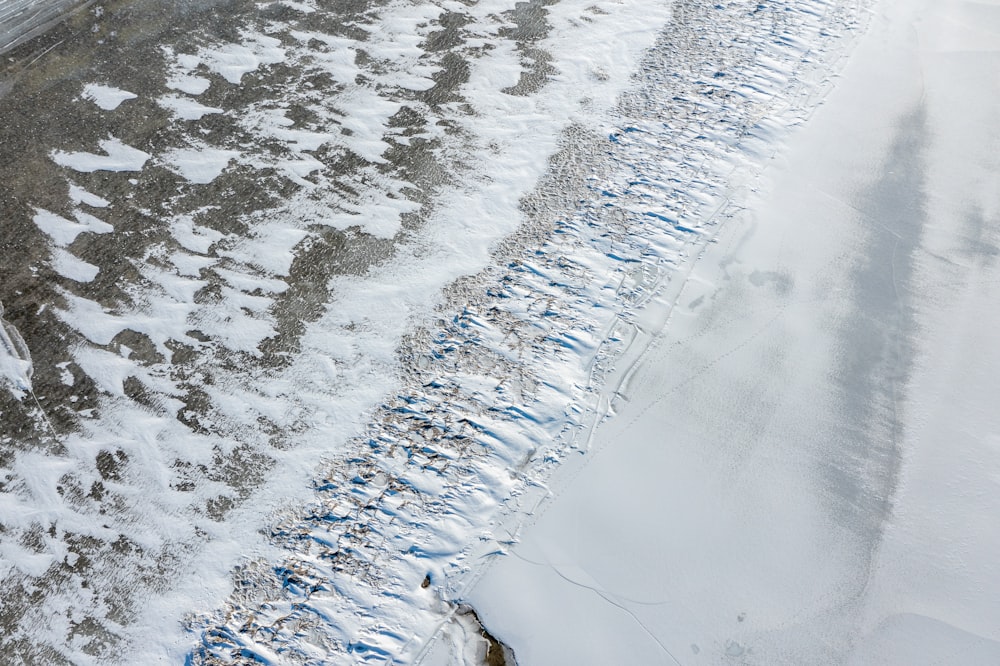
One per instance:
(332, 296)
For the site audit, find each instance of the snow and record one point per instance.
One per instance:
(234, 61)
(186, 109)
(15, 360)
(799, 464)
(303, 7)
(194, 237)
(72, 267)
(189, 83)
(447, 387)
(348, 358)
(63, 232)
(79, 195)
(117, 157)
(106, 97)
(200, 165)
(442, 518)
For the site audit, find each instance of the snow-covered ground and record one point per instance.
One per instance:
(326, 320)
(802, 466)
(234, 265)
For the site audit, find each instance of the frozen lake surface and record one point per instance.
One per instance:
(322, 321)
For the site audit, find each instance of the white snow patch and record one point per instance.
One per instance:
(26, 561)
(186, 109)
(65, 375)
(79, 195)
(366, 115)
(106, 97)
(181, 72)
(62, 231)
(194, 237)
(118, 157)
(233, 61)
(381, 218)
(191, 265)
(304, 7)
(188, 83)
(274, 123)
(198, 165)
(270, 249)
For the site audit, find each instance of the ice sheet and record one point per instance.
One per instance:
(20, 20)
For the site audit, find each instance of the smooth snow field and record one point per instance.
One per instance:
(461, 333)
(803, 466)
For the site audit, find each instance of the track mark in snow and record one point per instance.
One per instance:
(607, 596)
